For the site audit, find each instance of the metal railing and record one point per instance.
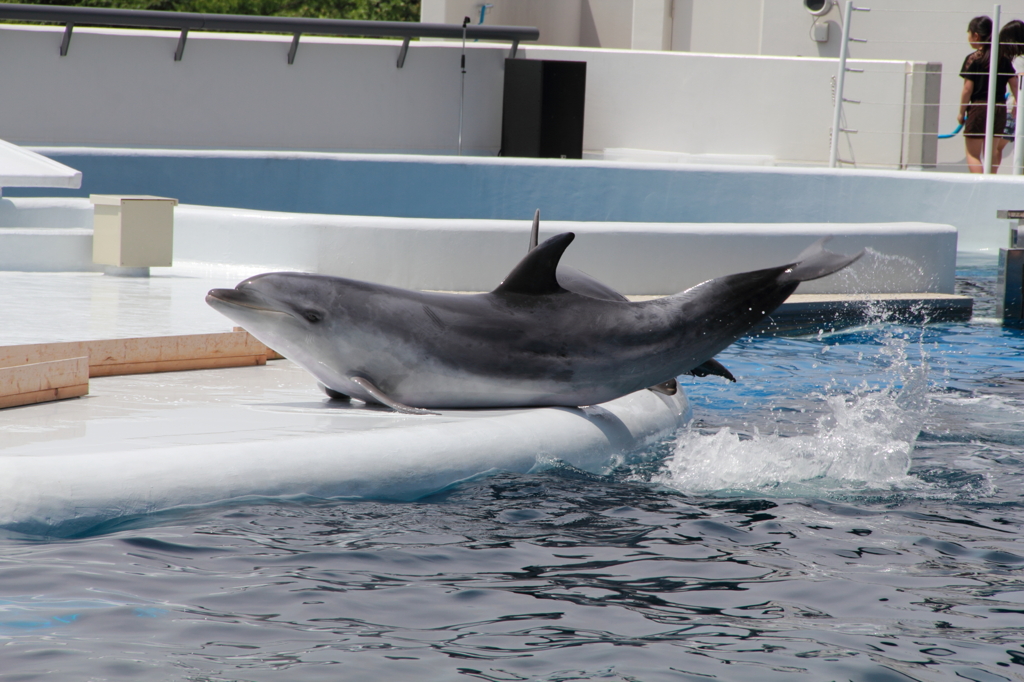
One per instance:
(844, 47)
(184, 22)
(907, 18)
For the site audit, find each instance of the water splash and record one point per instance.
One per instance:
(879, 272)
(862, 440)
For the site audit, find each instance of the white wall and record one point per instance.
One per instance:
(605, 23)
(732, 27)
(903, 30)
(911, 30)
(122, 87)
(652, 25)
(727, 104)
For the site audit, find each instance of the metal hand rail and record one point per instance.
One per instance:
(194, 21)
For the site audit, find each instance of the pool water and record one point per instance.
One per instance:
(850, 510)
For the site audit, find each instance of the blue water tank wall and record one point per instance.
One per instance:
(503, 188)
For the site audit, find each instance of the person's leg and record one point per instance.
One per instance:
(975, 150)
(1001, 143)
(998, 141)
(997, 155)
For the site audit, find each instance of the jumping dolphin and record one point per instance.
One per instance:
(530, 342)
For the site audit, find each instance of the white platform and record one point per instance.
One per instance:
(47, 249)
(634, 258)
(657, 156)
(21, 168)
(475, 255)
(146, 443)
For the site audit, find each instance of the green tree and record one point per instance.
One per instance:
(371, 10)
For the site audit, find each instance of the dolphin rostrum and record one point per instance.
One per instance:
(530, 342)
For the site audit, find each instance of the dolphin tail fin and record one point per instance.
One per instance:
(384, 399)
(534, 231)
(815, 262)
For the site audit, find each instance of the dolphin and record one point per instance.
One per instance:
(579, 282)
(530, 342)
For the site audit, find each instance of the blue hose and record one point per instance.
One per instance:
(952, 134)
(961, 126)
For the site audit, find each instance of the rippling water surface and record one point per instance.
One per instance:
(850, 510)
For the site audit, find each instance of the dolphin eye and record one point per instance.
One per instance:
(313, 315)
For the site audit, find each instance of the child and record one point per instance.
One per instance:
(1011, 46)
(974, 98)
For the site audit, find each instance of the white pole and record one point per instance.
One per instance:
(1018, 138)
(844, 48)
(993, 72)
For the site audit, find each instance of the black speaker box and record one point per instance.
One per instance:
(542, 111)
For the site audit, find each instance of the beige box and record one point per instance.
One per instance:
(132, 231)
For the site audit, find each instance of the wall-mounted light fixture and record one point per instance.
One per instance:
(818, 8)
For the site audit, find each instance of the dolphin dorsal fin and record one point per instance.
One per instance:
(534, 231)
(535, 274)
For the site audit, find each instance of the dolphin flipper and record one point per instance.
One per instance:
(670, 387)
(384, 399)
(332, 394)
(712, 366)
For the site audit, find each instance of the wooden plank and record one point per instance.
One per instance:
(174, 348)
(109, 357)
(176, 365)
(44, 375)
(42, 381)
(43, 396)
(271, 353)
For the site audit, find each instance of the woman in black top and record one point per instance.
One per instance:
(974, 98)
